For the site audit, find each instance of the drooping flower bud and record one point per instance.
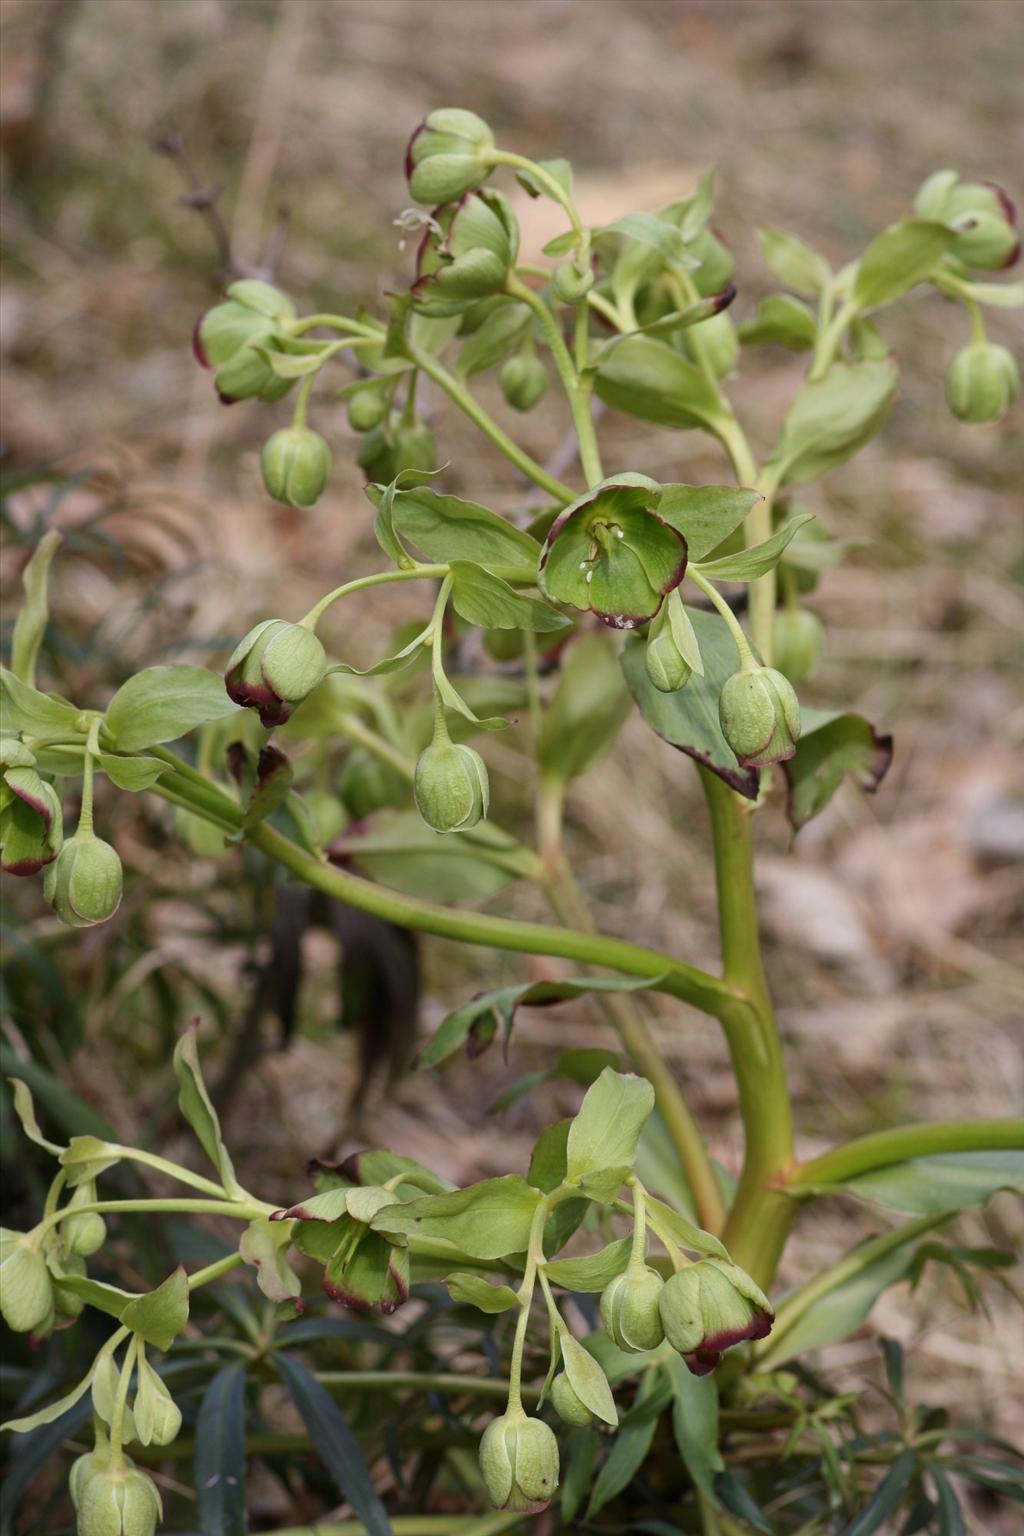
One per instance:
(982, 214)
(394, 445)
(569, 284)
(118, 1501)
(86, 1467)
(83, 885)
(665, 664)
(523, 381)
(451, 787)
(445, 157)
(798, 639)
(226, 337)
(571, 1408)
(708, 1307)
(760, 716)
(31, 823)
(982, 382)
(466, 254)
(519, 1462)
(715, 341)
(296, 463)
(629, 1309)
(84, 1235)
(26, 1286)
(274, 668)
(157, 1415)
(365, 410)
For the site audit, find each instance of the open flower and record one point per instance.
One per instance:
(610, 553)
(226, 339)
(708, 1307)
(31, 824)
(519, 1462)
(466, 254)
(982, 214)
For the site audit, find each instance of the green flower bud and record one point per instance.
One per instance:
(666, 667)
(365, 410)
(523, 381)
(629, 1309)
(225, 339)
(982, 214)
(715, 339)
(26, 1286)
(760, 716)
(368, 784)
(83, 885)
(798, 639)
(86, 1467)
(504, 644)
(295, 463)
(570, 1408)
(84, 1235)
(157, 1416)
(466, 255)
(446, 156)
(708, 1307)
(31, 823)
(451, 788)
(274, 668)
(982, 382)
(519, 1462)
(118, 1501)
(570, 285)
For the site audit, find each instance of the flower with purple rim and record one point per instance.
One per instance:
(709, 1307)
(609, 553)
(466, 253)
(31, 822)
(274, 668)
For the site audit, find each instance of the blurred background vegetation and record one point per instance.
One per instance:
(890, 924)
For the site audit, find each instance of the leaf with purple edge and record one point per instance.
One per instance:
(833, 744)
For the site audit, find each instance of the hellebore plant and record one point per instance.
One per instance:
(630, 589)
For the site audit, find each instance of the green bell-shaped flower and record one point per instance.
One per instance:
(610, 553)
(446, 157)
(982, 214)
(274, 668)
(519, 1462)
(629, 1309)
(31, 823)
(466, 255)
(118, 1501)
(708, 1307)
(760, 716)
(982, 382)
(83, 884)
(296, 463)
(226, 337)
(451, 787)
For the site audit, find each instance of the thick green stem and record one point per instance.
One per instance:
(760, 1217)
(883, 1148)
(488, 426)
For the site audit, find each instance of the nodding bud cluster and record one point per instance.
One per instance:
(519, 1462)
(226, 339)
(83, 884)
(569, 1406)
(523, 380)
(798, 639)
(31, 823)
(447, 156)
(982, 382)
(395, 444)
(296, 463)
(982, 214)
(450, 786)
(116, 1501)
(708, 1307)
(274, 668)
(760, 716)
(630, 1309)
(466, 254)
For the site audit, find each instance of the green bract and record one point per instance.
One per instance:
(451, 786)
(760, 716)
(226, 339)
(466, 255)
(611, 553)
(31, 823)
(982, 383)
(982, 214)
(83, 885)
(295, 463)
(445, 158)
(629, 1309)
(708, 1307)
(274, 668)
(519, 1462)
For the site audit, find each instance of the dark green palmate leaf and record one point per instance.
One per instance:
(689, 719)
(831, 745)
(219, 1465)
(335, 1443)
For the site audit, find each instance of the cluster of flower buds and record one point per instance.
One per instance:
(231, 338)
(982, 214)
(451, 787)
(274, 668)
(519, 1462)
(982, 383)
(759, 713)
(31, 824)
